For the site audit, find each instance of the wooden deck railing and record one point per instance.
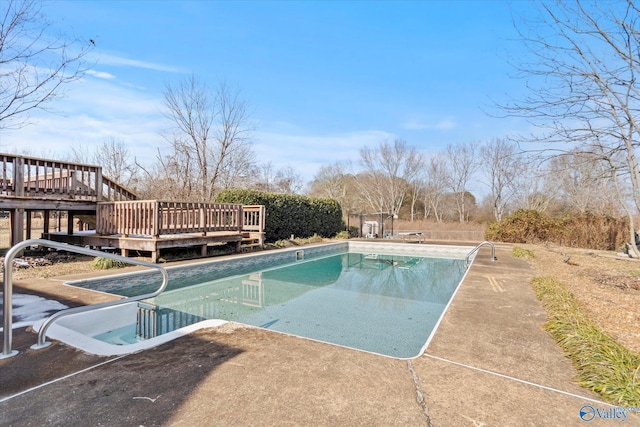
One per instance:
(22, 176)
(156, 218)
(114, 192)
(253, 218)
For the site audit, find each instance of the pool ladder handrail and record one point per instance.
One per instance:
(477, 248)
(8, 289)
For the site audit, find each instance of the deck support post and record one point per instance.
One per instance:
(70, 216)
(17, 226)
(29, 222)
(47, 218)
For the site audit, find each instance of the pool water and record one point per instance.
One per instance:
(385, 304)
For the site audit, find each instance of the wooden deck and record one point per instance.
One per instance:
(29, 185)
(151, 226)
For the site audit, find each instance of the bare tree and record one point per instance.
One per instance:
(416, 190)
(329, 181)
(415, 179)
(263, 177)
(502, 164)
(584, 181)
(614, 165)
(534, 188)
(336, 182)
(288, 181)
(237, 168)
(583, 80)
(114, 158)
(170, 178)
(435, 186)
(80, 154)
(388, 171)
(285, 180)
(462, 163)
(191, 108)
(232, 154)
(210, 140)
(34, 64)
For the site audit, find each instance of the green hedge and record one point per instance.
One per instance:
(288, 214)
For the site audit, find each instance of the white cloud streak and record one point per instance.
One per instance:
(101, 74)
(99, 107)
(93, 110)
(120, 61)
(307, 153)
(442, 125)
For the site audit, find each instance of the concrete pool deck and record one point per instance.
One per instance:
(489, 364)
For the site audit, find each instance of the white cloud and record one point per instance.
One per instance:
(446, 124)
(307, 153)
(92, 111)
(417, 124)
(99, 108)
(109, 99)
(414, 125)
(101, 74)
(120, 61)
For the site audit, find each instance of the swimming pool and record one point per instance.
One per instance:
(376, 297)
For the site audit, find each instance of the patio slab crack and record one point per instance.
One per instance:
(419, 395)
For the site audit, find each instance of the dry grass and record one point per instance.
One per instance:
(443, 230)
(592, 299)
(604, 284)
(440, 226)
(37, 228)
(53, 265)
(603, 364)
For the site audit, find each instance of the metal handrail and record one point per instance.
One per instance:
(8, 289)
(486, 242)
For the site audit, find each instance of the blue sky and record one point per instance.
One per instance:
(322, 79)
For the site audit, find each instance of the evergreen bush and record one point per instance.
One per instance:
(290, 214)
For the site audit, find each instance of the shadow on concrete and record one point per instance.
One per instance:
(138, 389)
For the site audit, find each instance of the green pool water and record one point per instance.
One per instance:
(385, 304)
